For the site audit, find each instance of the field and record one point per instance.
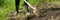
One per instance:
(8, 6)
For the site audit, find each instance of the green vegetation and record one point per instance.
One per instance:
(6, 6)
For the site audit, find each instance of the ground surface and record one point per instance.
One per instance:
(49, 15)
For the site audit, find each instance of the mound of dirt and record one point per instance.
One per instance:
(49, 14)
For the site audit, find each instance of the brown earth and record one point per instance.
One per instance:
(49, 14)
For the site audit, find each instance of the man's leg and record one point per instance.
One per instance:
(17, 5)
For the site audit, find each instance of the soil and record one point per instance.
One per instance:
(51, 14)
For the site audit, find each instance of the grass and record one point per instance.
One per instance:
(7, 7)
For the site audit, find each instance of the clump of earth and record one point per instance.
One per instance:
(49, 14)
